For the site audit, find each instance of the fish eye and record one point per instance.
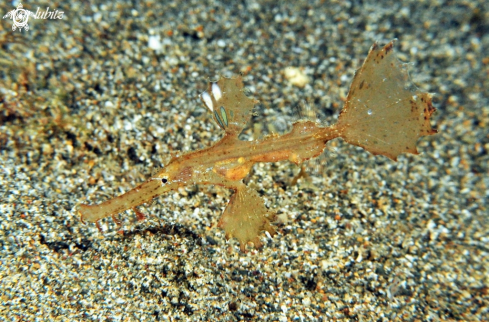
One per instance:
(164, 180)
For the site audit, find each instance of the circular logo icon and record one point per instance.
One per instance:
(20, 19)
(19, 16)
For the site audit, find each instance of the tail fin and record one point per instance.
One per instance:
(381, 114)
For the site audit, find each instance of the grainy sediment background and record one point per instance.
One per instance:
(92, 104)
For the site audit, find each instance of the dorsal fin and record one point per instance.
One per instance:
(306, 112)
(381, 114)
(227, 101)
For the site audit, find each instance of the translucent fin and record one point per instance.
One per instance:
(306, 112)
(245, 217)
(381, 114)
(227, 100)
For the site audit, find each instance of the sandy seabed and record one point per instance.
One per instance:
(93, 103)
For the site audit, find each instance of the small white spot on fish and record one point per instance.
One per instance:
(369, 112)
(207, 100)
(216, 91)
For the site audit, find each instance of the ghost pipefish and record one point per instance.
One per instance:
(380, 115)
